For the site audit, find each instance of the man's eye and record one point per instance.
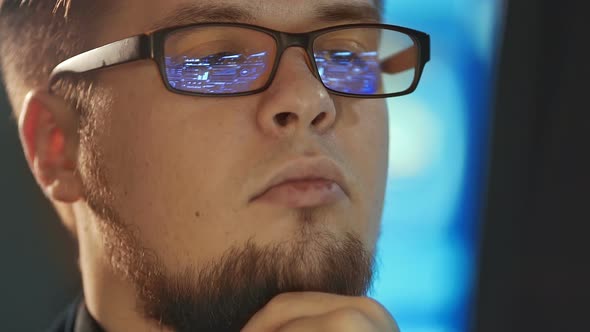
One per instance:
(342, 55)
(342, 44)
(225, 57)
(212, 48)
(218, 53)
(345, 57)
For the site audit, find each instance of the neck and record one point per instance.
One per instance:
(109, 295)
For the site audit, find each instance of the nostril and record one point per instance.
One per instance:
(282, 119)
(318, 119)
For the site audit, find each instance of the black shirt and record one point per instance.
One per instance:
(76, 318)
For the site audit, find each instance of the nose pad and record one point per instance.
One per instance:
(296, 98)
(292, 58)
(310, 65)
(295, 53)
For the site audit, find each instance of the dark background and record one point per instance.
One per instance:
(534, 259)
(38, 270)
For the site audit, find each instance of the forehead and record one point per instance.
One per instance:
(139, 16)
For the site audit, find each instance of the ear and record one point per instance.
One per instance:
(48, 129)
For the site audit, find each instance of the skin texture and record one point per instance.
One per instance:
(157, 176)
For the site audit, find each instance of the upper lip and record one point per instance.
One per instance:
(305, 169)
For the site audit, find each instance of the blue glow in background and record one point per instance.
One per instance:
(427, 254)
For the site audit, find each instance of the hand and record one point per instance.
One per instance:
(310, 312)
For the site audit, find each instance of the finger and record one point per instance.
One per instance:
(342, 320)
(289, 306)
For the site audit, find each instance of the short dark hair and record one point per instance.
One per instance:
(36, 35)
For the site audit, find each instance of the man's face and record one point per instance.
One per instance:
(182, 172)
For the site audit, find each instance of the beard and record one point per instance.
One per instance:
(225, 293)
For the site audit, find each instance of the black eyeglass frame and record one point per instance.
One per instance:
(152, 46)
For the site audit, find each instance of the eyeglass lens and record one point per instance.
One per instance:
(222, 60)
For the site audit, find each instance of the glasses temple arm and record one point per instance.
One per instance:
(408, 58)
(122, 51)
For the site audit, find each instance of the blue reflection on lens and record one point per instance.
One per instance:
(221, 73)
(349, 72)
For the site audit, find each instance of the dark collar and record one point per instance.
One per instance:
(84, 321)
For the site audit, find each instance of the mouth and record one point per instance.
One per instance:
(304, 183)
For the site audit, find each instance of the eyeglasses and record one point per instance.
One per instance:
(233, 59)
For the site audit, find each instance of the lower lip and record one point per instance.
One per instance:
(303, 193)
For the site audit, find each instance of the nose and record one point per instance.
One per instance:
(296, 100)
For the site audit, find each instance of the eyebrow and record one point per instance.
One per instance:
(349, 12)
(195, 13)
(199, 13)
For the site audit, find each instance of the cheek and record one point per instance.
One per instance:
(365, 141)
(178, 163)
(167, 158)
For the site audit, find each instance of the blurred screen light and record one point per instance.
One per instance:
(427, 253)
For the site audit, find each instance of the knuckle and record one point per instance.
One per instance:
(280, 302)
(377, 310)
(347, 319)
(370, 303)
(373, 306)
(281, 299)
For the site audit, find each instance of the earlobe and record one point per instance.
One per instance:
(49, 135)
